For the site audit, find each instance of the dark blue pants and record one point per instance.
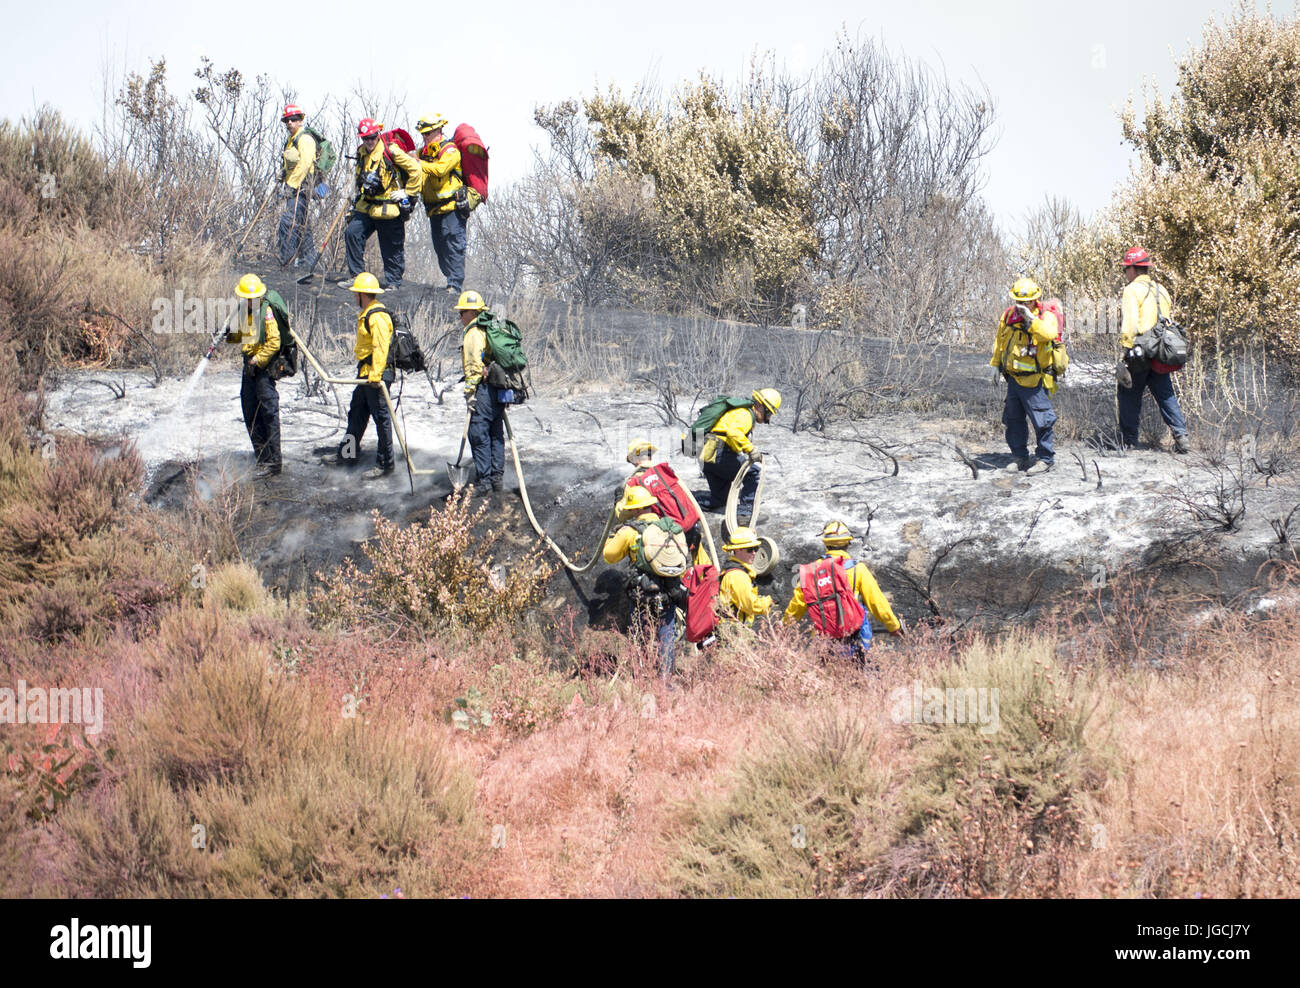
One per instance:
(721, 472)
(294, 233)
(368, 403)
(261, 404)
(487, 435)
(1130, 404)
(448, 232)
(1035, 403)
(392, 245)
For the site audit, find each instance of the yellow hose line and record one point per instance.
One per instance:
(528, 509)
(519, 471)
(733, 495)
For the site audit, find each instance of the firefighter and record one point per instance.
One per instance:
(1022, 352)
(388, 184)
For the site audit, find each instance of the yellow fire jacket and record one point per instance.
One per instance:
(865, 588)
(259, 332)
(1138, 308)
(737, 590)
(381, 205)
(734, 428)
(440, 163)
(299, 159)
(1025, 353)
(373, 341)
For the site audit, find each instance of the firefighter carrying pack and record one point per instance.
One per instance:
(833, 607)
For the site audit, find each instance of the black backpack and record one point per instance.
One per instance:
(285, 362)
(404, 351)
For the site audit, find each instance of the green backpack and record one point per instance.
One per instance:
(326, 156)
(708, 418)
(715, 409)
(506, 344)
(285, 362)
(661, 550)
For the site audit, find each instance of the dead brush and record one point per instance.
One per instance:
(435, 575)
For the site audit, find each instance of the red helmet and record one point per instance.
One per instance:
(290, 111)
(1137, 257)
(368, 128)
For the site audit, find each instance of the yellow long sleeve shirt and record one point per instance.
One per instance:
(623, 541)
(1142, 301)
(865, 588)
(736, 589)
(440, 164)
(259, 332)
(374, 336)
(734, 428)
(299, 159)
(473, 350)
(1026, 352)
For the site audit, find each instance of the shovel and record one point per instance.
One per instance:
(457, 474)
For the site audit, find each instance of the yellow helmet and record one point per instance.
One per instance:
(836, 533)
(367, 284)
(250, 286)
(472, 301)
(742, 538)
(430, 121)
(1025, 290)
(640, 448)
(636, 498)
(769, 398)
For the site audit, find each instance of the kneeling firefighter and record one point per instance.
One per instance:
(656, 548)
(729, 422)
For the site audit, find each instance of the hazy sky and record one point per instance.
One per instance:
(1056, 72)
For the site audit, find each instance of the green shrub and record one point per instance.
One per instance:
(797, 821)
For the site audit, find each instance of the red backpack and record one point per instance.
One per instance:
(701, 586)
(662, 482)
(473, 159)
(832, 605)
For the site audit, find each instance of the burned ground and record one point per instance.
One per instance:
(948, 534)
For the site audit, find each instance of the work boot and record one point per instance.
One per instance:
(1181, 445)
(374, 473)
(334, 460)
(267, 470)
(498, 484)
(1018, 465)
(307, 279)
(1040, 466)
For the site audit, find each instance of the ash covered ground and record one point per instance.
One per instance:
(945, 529)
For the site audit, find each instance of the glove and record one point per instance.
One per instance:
(471, 404)
(1025, 314)
(755, 456)
(1123, 375)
